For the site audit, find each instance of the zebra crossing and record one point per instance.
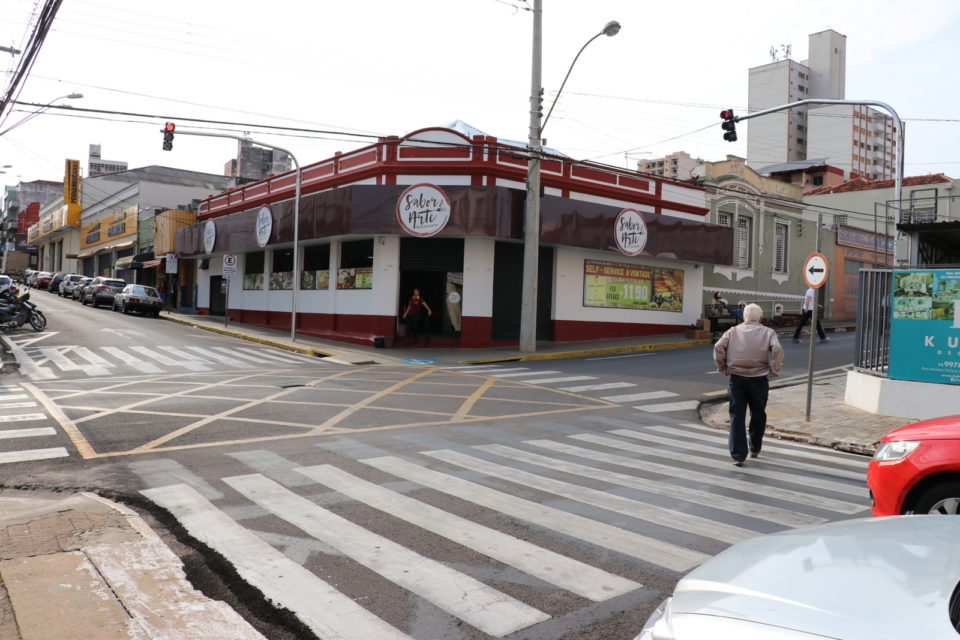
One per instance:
(42, 363)
(559, 381)
(18, 406)
(600, 509)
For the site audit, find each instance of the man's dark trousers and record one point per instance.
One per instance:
(804, 319)
(747, 392)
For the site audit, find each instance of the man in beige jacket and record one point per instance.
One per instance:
(749, 353)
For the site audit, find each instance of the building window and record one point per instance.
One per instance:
(818, 181)
(356, 265)
(316, 267)
(780, 257)
(744, 233)
(281, 276)
(253, 271)
(723, 219)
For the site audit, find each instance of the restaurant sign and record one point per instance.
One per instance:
(423, 210)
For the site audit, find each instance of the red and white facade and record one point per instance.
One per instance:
(352, 202)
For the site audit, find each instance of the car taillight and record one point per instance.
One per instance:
(103, 288)
(134, 299)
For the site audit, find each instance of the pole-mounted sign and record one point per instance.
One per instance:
(815, 270)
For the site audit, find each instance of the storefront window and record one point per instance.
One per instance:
(281, 275)
(253, 271)
(316, 267)
(356, 265)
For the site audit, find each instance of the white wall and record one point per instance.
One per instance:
(901, 398)
(568, 290)
(478, 256)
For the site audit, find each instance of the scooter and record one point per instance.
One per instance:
(17, 310)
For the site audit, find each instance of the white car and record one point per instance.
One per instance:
(870, 579)
(5, 282)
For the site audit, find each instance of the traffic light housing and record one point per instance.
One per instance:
(168, 130)
(729, 125)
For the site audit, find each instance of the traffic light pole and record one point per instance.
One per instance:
(296, 217)
(898, 173)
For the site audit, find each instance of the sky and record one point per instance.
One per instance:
(352, 70)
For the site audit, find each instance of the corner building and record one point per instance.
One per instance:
(621, 253)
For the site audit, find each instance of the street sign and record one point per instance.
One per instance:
(815, 270)
(229, 265)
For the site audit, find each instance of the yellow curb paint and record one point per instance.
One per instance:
(593, 352)
(307, 351)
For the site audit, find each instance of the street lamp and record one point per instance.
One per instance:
(531, 226)
(69, 96)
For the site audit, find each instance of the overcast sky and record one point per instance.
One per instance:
(389, 67)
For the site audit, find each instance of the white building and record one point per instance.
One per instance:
(676, 166)
(859, 140)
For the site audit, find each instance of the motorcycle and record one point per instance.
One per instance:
(17, 310)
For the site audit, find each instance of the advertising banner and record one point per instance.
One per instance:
(925, 326)
(628, 286)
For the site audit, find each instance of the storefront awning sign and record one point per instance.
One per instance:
(209, 236)
(630, 232)
(423, 210)
(264, 226)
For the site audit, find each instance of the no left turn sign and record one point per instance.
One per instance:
(815, 270)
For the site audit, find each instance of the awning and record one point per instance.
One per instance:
(86, 254)
(126, 262)
(152, 263)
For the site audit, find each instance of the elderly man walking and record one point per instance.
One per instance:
(749, 353)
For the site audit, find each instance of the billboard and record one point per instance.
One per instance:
(925, 326)
(629, 286)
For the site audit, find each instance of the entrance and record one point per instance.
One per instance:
(435, 266)
(218, 297)
(508, 290)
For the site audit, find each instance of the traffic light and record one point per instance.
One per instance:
(168, 130)
(729, 125)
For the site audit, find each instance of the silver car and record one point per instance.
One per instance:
(872, 579)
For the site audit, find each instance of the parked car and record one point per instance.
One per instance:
(28, 276)
(865, 579)
(42, 279)
(101, 290)
(5, 282)
(916, 469)
(77, 292)
(69, 284)
(138, 297)
(54, 286)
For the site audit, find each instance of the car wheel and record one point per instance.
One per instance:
(123, 309)
(83, 300)
(943, 499)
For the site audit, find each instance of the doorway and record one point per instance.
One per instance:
(508, 291)
(435, 266)
(218, 296)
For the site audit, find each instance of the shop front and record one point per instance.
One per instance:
(107, 246)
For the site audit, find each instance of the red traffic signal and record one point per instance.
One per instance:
(168, 130)
(729, 125)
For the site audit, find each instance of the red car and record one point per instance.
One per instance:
(916, 469)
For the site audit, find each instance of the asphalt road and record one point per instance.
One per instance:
(545, 500)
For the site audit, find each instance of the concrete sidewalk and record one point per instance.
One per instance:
(82, 567)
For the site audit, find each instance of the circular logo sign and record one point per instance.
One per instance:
(453, 297)
(264, 226)
(423, 210)
(209, 236)
(630, 232)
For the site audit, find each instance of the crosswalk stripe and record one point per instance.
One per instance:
(186, 356)
(656, 552)
(684, 405)
(695, 496)
(27, 433)
(651, 513)
(57, 357)
(31, 455)
(17, 405)
(236, 353)
(764, 471)
(640, 397)
(850, 460)
(748, 486)
(15, 396)
(7, 388)
(23, 417)
(485, 608)
(276, 356)
(553, 568)
(518, 375)
(598, 387)
(218, 357)
(137, 363)
(774, 448)
(30, 367)
(190, 365)
(327, 612)
(554, 380)
(92, 358)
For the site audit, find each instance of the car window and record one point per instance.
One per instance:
(144, 291)
(113, 283)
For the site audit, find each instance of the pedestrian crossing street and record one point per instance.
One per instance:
(41, 363)
(20, 413)
(540, 528)
(601, 390)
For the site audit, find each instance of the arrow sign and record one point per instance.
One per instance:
(815, 270)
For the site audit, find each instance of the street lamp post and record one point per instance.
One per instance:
(69, 96)
(531, 225)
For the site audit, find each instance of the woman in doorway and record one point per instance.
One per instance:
(416, 315)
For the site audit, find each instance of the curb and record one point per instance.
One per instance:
(307, 351)
(591, 352)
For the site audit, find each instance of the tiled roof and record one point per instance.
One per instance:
(865, 184)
